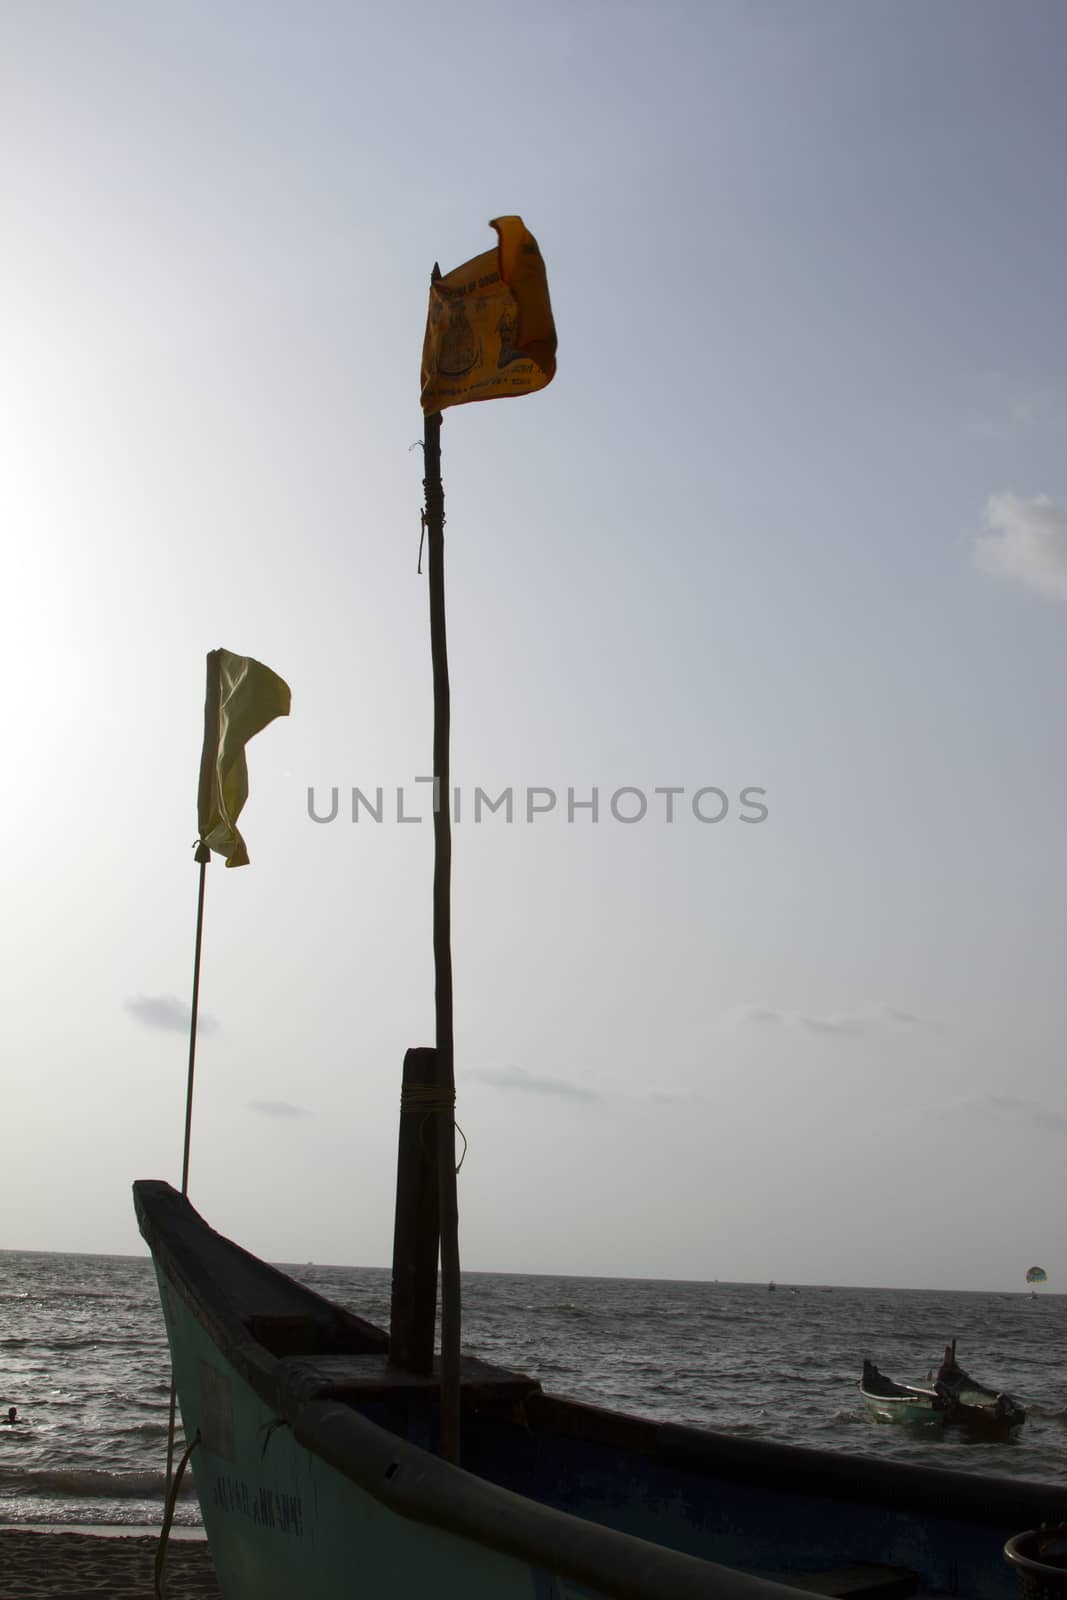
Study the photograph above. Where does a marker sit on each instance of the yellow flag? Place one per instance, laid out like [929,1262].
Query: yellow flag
[489,332]
[242,697]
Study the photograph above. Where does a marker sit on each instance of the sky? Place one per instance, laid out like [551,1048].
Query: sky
[791,517]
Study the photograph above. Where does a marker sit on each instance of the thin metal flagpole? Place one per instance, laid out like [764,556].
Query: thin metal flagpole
[208,761]
[202,857]
[442,946]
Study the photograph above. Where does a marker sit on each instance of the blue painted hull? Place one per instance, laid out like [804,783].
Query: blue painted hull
[316,1472]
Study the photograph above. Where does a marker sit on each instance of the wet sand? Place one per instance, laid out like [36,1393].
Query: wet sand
[80,1566]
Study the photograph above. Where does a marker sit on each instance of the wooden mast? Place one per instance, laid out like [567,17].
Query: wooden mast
[448,1210]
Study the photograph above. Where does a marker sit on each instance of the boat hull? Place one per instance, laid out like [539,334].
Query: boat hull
[281,1521]
[887,1401]
[991,1416]
[974,1405]
[316,1475]
[912,1411]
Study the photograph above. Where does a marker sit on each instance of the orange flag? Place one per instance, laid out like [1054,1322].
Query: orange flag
[489,332]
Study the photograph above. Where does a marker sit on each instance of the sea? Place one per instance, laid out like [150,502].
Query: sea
[83,1357]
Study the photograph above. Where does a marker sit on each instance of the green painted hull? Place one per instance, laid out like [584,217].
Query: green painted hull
[282,1524]
[913,1410]
[285,1525]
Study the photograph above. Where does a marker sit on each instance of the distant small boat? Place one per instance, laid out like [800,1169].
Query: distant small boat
[887,1401]
[974,1404]
[772,1284]
[955,1397]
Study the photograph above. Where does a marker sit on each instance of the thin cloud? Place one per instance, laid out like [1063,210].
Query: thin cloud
[673,1097]
[907,1019]
[842,1023]
[752,1016]
[1026,541]
[1009,416]
[847,1023]
[1031,1111]
[277,1108]
[167,1012]
[1007,1108]
[877,1018]
[530,1083]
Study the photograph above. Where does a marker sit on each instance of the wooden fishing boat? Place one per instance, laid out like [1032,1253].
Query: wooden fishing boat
[887,1401]
[334,1458]
[955,1397]
[974,1404]
[316,1463]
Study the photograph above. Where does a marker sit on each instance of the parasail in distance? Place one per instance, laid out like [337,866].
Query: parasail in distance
[1037,1275]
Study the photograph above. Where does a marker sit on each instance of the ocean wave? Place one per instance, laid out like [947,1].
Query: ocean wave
[63,1514]
[95,1339]
[51,1297]
[88,1485]
[79,1294]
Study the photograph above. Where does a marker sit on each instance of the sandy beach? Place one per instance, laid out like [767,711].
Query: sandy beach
[77,1566]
